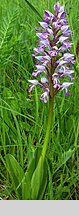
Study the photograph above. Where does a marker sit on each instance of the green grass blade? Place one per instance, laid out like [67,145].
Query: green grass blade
[33,8]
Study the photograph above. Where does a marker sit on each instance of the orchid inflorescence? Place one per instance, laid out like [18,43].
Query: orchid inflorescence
[54,60]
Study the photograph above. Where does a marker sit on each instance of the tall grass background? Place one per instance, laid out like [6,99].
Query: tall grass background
[23,117]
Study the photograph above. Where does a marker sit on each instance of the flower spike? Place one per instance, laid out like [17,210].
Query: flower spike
[54,60]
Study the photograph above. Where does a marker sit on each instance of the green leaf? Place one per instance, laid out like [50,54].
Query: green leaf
[32,185]
[16,174]
[26,181]
[43,182]
[39,180]
[33,8]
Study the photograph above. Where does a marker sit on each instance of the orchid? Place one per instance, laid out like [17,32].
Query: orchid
[53,73]
[53,56]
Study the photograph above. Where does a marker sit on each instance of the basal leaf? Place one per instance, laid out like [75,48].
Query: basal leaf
[16,174]
[39,180]
[26,181]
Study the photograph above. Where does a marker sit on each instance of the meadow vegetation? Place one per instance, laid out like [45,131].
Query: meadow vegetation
[23,117]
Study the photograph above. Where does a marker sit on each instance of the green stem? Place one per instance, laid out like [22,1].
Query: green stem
[51,99]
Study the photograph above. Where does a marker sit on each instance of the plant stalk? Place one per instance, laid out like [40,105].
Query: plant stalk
[51,100]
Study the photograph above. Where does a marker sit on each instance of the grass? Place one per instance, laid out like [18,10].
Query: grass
[23,118]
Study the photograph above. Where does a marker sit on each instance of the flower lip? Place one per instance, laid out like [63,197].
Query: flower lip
[44,96]
[67,93]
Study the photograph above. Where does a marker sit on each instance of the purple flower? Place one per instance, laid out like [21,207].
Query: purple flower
[44,96]
[57,6]
[33,84]
[53,56]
